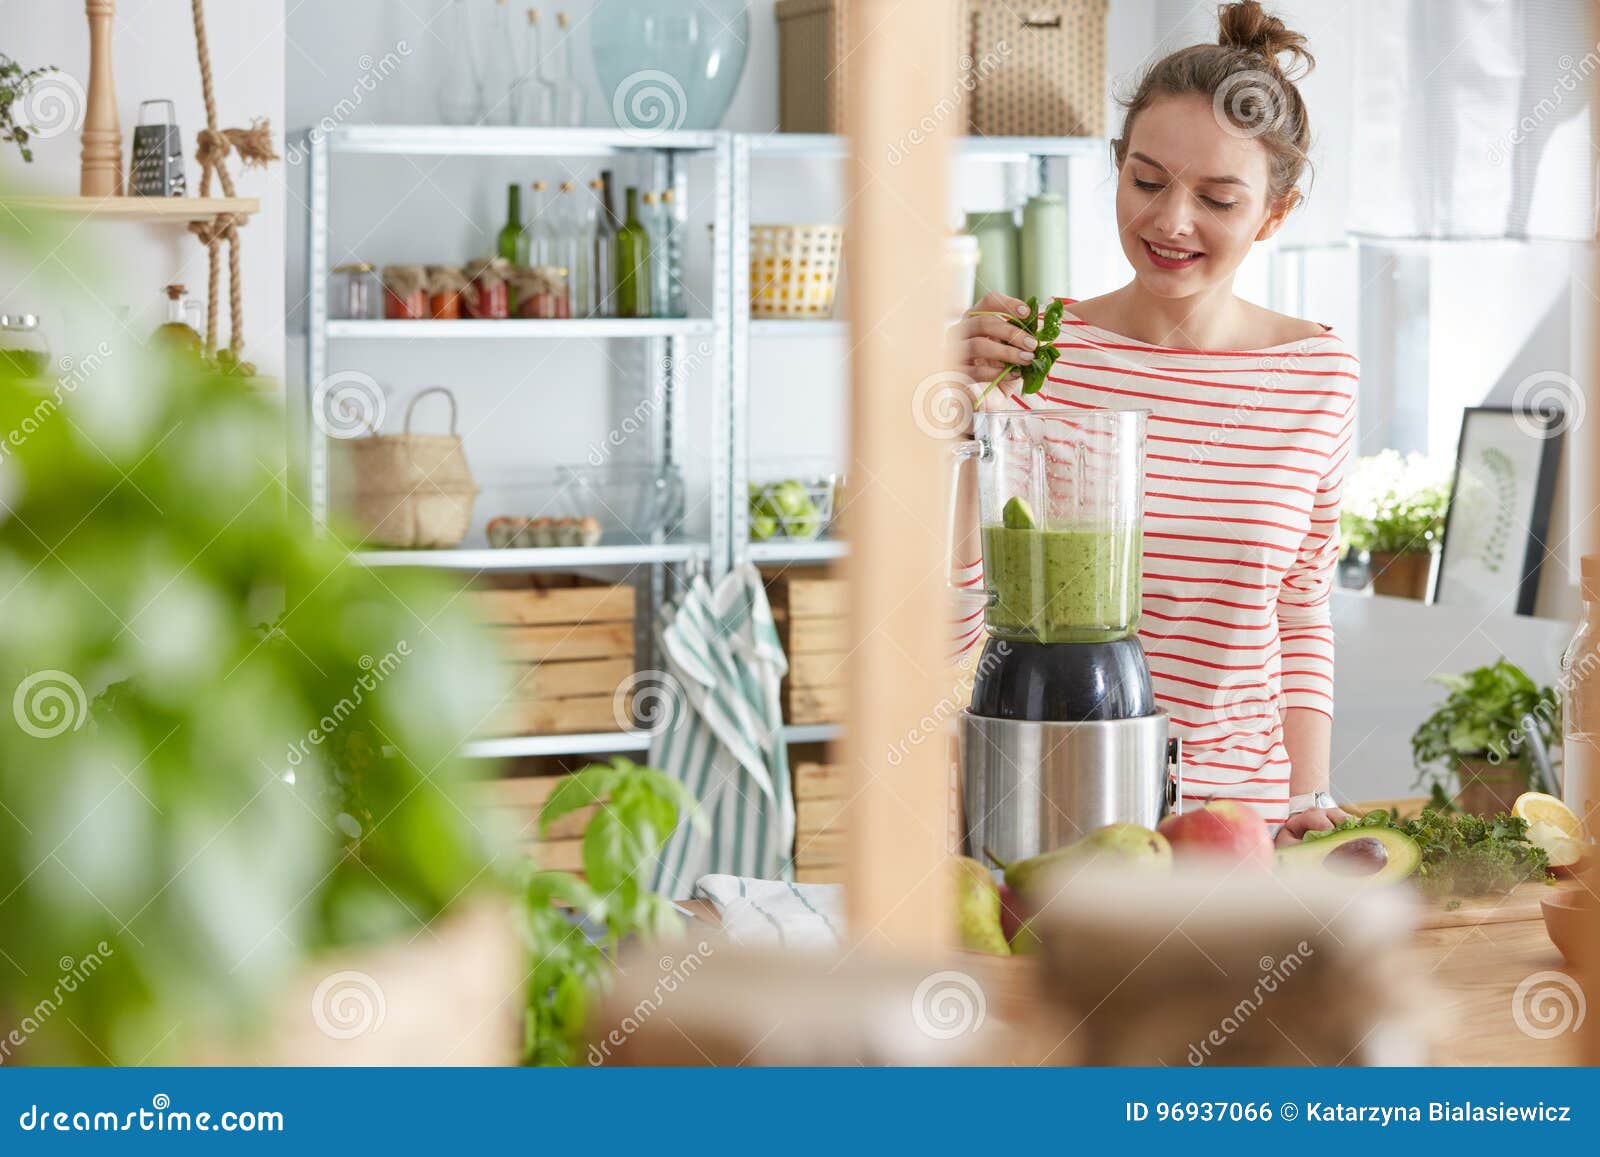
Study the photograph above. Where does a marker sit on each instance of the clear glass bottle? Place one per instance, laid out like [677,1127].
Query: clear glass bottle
[566,89]
[633,262]
[567,241]
[672,225]
[460,68]
[536,104]
[604,264]
[1580,685]
[535,249]
[650,218]
[499,80]
[181,330]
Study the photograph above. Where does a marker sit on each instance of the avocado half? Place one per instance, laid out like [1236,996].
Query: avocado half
[1375,855]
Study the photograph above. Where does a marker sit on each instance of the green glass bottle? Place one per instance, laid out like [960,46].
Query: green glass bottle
[506,243]
[510,237]
[633,263]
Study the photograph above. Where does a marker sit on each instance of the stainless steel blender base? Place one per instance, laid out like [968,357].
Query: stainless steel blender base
[1032,787]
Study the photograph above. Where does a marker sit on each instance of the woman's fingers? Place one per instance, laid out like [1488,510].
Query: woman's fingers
[986,349]
[998,329]
[1003,303]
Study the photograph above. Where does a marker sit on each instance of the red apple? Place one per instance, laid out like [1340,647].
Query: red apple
[1011,911]
[1223,830]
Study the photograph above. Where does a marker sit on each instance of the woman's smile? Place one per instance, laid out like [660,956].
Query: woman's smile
[1170,257]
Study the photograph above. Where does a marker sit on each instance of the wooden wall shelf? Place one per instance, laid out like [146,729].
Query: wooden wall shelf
[176,210]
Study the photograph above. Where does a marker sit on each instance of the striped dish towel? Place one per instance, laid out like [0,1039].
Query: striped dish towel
[723,738]
[775,911]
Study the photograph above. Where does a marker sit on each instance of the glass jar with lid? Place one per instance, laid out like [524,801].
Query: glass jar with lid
[1580,685]
[356,293]
[24,353]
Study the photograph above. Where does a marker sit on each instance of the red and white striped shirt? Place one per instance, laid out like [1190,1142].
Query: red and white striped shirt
[1246,456]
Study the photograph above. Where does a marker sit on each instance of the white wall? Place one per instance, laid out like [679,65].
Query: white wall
[153,57]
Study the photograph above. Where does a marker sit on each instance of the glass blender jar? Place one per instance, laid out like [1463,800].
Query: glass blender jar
[1061,503]
[1063,734]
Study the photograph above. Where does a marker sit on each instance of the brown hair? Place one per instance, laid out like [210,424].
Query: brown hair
[1252,93]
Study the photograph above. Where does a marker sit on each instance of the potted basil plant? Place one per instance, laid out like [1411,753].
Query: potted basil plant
[1479,735]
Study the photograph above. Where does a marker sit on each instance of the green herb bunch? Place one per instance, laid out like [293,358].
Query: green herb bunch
[1395,505]
[636,811]
[1044,328]
[1483,718]
[1462,855]
[15,84]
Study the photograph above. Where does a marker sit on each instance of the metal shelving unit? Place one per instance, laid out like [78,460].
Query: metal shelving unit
[669,347]
[728,332]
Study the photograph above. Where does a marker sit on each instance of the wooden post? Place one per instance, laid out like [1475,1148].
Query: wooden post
[102,138]
[897,104]
[1583,492]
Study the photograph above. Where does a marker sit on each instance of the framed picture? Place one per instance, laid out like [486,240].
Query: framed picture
[1499,515]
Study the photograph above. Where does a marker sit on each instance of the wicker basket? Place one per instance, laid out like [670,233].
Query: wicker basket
[408,490]
[1028,67]
[794,270]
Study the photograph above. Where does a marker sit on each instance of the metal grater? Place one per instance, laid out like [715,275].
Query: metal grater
[156,169]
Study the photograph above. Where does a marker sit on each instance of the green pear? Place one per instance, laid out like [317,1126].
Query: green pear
[978,908]
[1121,844]
[1025,941]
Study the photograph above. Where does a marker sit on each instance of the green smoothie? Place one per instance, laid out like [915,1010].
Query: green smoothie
[1062,586]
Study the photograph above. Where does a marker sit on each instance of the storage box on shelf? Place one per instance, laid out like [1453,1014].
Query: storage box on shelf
[1040,71]
[810,612]
[570,644]
[819,800]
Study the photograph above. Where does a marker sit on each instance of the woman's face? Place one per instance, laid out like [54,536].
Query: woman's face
[1191,198]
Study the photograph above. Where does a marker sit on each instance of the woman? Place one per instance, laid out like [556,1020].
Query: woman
[1251,418]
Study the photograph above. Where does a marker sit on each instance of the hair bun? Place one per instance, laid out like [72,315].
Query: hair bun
[1248,27]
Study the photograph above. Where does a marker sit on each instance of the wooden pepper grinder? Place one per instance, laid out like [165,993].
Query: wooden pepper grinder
[101,173]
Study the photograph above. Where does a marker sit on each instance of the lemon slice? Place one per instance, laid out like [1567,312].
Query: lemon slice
[1538,808]
[1563,850]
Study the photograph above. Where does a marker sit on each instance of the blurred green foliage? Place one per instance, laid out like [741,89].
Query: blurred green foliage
[224,746]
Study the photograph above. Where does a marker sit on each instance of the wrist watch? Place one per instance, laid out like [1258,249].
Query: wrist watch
[1311,799]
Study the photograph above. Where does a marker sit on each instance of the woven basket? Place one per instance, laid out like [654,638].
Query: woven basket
[411,491]
[1028,67]
[794,270]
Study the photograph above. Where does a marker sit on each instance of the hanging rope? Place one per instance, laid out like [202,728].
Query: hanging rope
[254,146]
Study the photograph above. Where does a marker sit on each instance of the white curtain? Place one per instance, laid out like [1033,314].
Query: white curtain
[1472,119]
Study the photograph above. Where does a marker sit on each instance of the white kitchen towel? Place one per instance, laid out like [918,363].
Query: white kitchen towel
[720,732]
[776,911]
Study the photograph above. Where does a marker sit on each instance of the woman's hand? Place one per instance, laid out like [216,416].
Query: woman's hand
[1315,819]
[987,345]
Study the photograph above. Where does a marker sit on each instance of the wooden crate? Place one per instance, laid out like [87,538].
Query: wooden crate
[810,608]
[570,646]
[515,804]
[820,794]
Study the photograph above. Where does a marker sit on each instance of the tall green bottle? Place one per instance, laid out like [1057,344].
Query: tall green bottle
[510,236]
[633,263]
